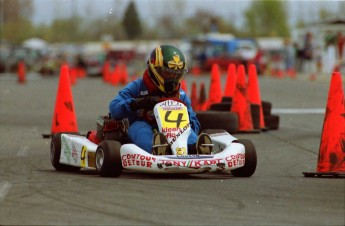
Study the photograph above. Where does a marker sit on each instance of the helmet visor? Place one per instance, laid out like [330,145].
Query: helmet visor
[171,74]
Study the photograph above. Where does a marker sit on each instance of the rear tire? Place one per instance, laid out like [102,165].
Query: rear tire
[250,160]
[218,120]
[266,107]
[223,106]
[214,131]
[55,152]
[108,159]
[226,99]
[272,122]
[255,111]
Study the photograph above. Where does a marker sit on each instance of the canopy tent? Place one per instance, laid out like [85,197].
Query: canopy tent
[35,43]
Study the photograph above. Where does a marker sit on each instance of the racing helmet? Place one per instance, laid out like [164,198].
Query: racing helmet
[166,67]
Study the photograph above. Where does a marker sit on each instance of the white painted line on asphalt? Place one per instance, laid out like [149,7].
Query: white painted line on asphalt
[4,189]
[298,110]
[23,151]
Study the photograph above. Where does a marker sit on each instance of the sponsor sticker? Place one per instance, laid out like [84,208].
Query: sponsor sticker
[195,164]
[235,160]
[137,160]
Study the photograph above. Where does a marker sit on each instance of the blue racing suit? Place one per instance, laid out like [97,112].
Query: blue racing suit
[140,130]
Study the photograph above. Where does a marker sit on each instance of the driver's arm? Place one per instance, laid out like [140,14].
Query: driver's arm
[119,107]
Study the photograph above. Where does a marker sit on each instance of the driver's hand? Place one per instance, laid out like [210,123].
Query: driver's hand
[146,103]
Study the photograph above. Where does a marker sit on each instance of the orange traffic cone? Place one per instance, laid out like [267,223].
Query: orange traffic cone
[115,75]
[194,97]
[73,73]
[81,72]
[106,71]
[291,73]
[230,84]
[254,92]
[202,103]
[64,118]
[184,86]
[196,70]
[280,73]
[21,72]
[331,160]
[123,74]
[215,91]
[240,103]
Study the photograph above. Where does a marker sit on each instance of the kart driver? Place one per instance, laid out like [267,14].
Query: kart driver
[166,67]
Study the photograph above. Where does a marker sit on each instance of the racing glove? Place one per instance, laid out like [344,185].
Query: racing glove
[146,103]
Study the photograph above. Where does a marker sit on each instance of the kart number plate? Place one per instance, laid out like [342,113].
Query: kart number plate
[173,119]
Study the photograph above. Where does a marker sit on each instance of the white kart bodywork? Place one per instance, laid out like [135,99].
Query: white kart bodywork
[226,155]
[232,157]
[79,151]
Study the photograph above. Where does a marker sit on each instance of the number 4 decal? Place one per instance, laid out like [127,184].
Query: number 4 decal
[178,120]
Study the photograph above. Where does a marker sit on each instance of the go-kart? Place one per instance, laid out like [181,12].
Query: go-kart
[71,152]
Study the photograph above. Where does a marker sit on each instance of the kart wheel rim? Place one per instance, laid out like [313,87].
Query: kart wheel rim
[99,158]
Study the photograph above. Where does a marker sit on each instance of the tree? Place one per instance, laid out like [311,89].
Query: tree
[267,18]
[131,22]
[15,20]
[325,14]
[168,19]
[200,22]
[61,30]
[15,10]
[204,21]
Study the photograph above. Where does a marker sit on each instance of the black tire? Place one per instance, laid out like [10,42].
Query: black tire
[272,122]
[108,159]
[116,135]
[55,152]
[226,99]
[224,106]
[308,174]
[213,131]
[218,120]
[250,160]
[255,111]
[266,107]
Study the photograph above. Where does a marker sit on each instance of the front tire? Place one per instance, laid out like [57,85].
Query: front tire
[250,160]
[55,153]
[108,159]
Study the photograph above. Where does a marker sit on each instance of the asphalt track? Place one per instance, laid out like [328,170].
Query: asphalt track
[33,193]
